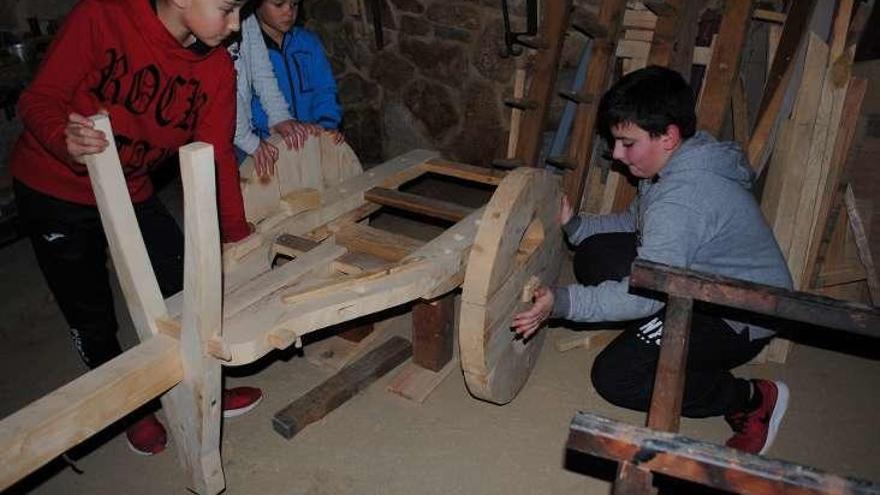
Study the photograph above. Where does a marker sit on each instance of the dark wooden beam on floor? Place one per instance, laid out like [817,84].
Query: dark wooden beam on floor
[342,386]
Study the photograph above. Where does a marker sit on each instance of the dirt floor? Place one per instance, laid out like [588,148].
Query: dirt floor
[380,443]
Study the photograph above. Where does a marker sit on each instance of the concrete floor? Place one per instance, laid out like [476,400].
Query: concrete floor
[383,444]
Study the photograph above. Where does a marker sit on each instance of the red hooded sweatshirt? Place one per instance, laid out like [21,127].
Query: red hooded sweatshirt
[117,55]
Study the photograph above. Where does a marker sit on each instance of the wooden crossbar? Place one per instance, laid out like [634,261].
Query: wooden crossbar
[418,204]
[757,298]
[703,462]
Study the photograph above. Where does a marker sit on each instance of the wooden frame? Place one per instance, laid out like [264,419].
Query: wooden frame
[642,451]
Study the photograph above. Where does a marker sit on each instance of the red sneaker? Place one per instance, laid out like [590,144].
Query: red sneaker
[146,436]
[239,400]
[754,431]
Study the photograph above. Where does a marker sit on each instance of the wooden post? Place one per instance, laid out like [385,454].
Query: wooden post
[199,414]
[432,332]
[665,411]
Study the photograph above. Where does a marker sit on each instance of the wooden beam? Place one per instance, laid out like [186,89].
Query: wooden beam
[463,171]
[769,115]
[350,380]
[435,208]
[674,36]
[721,75]
[757,298]
[127,249]
[703,462]
[53,424]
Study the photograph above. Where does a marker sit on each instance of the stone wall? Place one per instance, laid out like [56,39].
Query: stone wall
[437,83]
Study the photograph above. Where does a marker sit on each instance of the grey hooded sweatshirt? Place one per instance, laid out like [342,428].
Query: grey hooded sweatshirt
[697,213]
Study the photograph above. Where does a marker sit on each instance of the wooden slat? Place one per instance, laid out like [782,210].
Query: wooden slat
[703,462]
[418,204]
[793,34]
[757,298]
[51,425]
[721,74]
[482,175]
[380,243]
[342,386]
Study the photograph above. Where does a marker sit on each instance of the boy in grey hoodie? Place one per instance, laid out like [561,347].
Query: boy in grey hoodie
[694,209]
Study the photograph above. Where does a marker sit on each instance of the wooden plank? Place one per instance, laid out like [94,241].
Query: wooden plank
[674,36]
[278,278]
[785,178]
[56,422]
[861,238]
[357,376]
[825,218]
[794,31]
[721,75]
[665,411]
[703,462]
[380,243]
[841,276]
[416,383]
[766,15]
[197,403]
[435,208]
[757,298]
[432,332]
[127,249]
[482,175]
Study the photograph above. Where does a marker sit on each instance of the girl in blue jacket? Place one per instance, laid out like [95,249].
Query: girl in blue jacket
[301,69]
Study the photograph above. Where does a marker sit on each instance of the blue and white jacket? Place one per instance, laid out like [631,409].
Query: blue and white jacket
[304,78]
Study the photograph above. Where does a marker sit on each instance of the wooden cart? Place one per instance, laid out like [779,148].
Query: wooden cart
[235,307]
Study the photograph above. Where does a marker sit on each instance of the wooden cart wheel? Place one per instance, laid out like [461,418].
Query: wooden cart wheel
[518,245]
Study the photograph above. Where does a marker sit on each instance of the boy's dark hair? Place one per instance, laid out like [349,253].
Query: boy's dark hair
[652,98]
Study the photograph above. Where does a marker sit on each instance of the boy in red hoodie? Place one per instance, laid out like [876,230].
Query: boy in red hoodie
[155,67]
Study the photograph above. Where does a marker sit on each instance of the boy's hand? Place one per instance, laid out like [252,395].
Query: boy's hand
[565,211]
[264,159]
[82,138]
[527,323]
